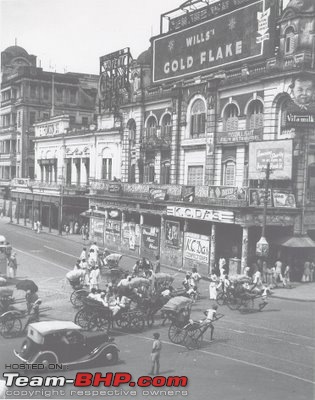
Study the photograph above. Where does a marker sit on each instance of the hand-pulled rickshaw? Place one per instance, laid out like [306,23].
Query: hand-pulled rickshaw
[112,271]
[177,310]
[75,279]
[243,294]
[6,299]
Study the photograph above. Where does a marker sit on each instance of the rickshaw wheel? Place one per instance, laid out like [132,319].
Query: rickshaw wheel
[193,339]
[98,323]
[82,318]
[122,320]
[10,326]
[137,323]
[221,299]
[176,334]
[234,303]
[76,297]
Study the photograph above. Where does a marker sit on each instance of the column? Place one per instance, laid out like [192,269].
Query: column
[18,210]
[25,201]
[11,211]
[185,229]
[74,172]
[141,223]
[244,249]
[123,220]
[33,209]
[162,236]
[212,247]
[83,178]
[49,218]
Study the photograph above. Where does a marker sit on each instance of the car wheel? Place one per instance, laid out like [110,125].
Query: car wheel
[111,356]
[46,359]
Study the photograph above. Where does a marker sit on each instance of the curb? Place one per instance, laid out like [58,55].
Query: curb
[206,279]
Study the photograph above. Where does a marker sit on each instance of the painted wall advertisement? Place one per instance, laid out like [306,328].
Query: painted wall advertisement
[97,228]
[172,233]
[278,153]
[131,235]
[197,247]
[112,232]
[150,241]
[240,35]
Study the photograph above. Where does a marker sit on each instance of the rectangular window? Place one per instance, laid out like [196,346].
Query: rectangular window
[33,91]
[85,121]
[32,117]
[46,93]
[198,125]
[72,119]
[19,118]
[73,96]
[59,94]
[107,169]
[195,175]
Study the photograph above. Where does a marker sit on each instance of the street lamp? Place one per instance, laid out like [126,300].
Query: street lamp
[262,246]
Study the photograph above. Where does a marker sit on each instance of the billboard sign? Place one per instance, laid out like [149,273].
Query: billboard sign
[281,199]
[172,233]
[278,153]
[237,36]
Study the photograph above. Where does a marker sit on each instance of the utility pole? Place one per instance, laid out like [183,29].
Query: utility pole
[262,246]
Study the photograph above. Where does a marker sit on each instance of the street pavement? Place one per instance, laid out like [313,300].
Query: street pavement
[298,291]
[254,356]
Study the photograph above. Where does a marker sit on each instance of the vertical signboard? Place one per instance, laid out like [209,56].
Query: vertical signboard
[196,252]
[112,233]
[150,241]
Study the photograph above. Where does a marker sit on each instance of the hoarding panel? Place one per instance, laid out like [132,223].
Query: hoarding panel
[277,152]
[239,35]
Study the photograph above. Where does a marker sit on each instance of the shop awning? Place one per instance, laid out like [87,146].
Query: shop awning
[298,241]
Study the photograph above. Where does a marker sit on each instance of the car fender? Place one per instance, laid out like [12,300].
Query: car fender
[35,358]
[97,351]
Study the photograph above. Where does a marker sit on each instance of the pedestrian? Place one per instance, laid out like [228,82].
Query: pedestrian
[307,271]
[95,248]
[12,264]
[94,277]
[213,286]
[38,226]
[265,272]
[31,298]
[195,276]
[155,354]
[278,272]
[83,254]
[157,265]
[222,266]
[92,256]
[286,276]
[312,271]
[211,315]
[86,232]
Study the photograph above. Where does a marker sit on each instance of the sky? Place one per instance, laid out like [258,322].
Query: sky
[71,35]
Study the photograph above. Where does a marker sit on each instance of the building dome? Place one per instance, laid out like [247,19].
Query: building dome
[145,57]
[16,51]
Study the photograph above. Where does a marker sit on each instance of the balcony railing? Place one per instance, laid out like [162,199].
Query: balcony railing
[157,140]
[36,186]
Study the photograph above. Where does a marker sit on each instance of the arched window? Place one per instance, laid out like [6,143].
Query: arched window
[255,117]
[198,119]
[231,118]
[229,173]
[151,127]
[166,126]
[289,41]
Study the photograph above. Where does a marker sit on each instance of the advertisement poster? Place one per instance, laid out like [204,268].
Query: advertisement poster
[196,247]
[257,198]
[97,230]
[150,241]
[172,233]
[278,153]
[131,235]
[286,200]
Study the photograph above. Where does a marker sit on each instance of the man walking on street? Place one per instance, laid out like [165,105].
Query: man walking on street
[155,354]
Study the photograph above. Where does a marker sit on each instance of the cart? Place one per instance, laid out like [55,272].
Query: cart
[177,310]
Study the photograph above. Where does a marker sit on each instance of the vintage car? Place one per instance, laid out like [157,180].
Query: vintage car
[64,342]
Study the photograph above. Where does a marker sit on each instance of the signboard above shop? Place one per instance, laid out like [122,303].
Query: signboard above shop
[278,153]
[240,136]
[241,35]
[201,214]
